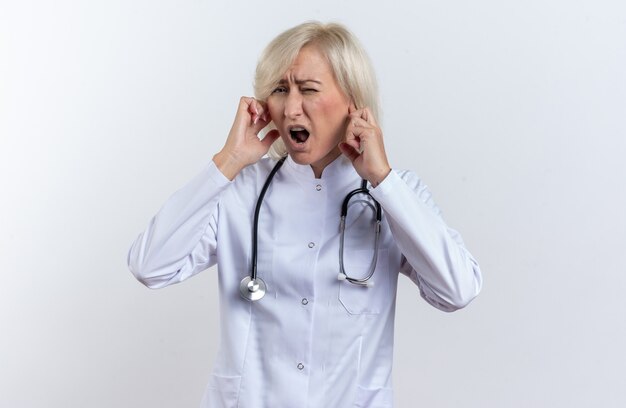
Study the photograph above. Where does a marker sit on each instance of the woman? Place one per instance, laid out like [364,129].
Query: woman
[312,340]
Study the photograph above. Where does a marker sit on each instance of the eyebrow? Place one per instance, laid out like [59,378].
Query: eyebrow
[300,81]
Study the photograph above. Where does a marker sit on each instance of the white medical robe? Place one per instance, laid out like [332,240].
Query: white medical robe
[312,341]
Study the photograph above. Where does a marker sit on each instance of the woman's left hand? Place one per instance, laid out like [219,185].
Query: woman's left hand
[364,146]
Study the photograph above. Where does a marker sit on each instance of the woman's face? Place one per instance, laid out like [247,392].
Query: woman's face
[310,110]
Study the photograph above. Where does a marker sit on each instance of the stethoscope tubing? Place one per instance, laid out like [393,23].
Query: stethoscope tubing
[343,275]
[253,288]
[257,210]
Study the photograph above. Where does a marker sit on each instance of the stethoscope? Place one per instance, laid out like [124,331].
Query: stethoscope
[253,288]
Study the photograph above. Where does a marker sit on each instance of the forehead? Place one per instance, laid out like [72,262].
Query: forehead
[310,63]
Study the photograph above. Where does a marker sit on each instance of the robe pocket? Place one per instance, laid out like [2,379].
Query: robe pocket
[222,391]
[357,299]
[374,398]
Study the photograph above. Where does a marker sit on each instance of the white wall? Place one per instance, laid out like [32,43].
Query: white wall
[513,112]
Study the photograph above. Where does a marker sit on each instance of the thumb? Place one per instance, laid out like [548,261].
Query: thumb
[259,123]
[270,137]
[348,151]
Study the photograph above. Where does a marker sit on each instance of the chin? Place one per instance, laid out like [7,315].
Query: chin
[302,158]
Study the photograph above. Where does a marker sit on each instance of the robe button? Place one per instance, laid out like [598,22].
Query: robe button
[311,244]
[300,366]
[305,301]
[318,187]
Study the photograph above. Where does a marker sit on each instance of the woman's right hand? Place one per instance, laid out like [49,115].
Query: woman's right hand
[243,146]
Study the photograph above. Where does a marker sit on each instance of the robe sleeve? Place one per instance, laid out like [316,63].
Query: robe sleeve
[180,240]
[433,255]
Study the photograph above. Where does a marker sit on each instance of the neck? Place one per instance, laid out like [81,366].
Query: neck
[319,167]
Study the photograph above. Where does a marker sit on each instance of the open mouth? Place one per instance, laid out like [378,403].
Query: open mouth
[299,134]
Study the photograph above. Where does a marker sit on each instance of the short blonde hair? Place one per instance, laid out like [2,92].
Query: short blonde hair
[347,58]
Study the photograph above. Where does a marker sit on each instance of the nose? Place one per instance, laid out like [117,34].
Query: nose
[293,105]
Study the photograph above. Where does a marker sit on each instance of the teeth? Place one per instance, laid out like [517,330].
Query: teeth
[297,129]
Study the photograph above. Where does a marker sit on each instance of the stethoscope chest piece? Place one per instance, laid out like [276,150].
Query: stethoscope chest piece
[252,289]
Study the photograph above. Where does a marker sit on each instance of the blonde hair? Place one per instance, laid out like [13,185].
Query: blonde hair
[347,58]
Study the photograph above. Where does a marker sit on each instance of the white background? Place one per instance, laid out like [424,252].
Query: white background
[513,112]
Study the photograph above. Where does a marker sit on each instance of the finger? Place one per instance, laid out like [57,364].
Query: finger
[369,117]
[265,112]
[253,109]
[261,122]
[257,109]
[270,138]
[366,115]
[363,129]
[260,107]
[349,151]
[247,102]
[245,111]
[353,140]
[261,104]
[355,113]
[358,122]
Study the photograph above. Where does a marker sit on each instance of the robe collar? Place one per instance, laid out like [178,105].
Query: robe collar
[340,167]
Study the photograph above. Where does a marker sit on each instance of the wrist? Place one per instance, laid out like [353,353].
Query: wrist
[228,163]
[378,178]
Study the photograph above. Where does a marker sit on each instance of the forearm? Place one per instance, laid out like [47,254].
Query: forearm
[178,241]
[445,271]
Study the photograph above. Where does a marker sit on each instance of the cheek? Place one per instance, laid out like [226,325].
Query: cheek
[275,111]
[334,107]
[327,106]
[335,114]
